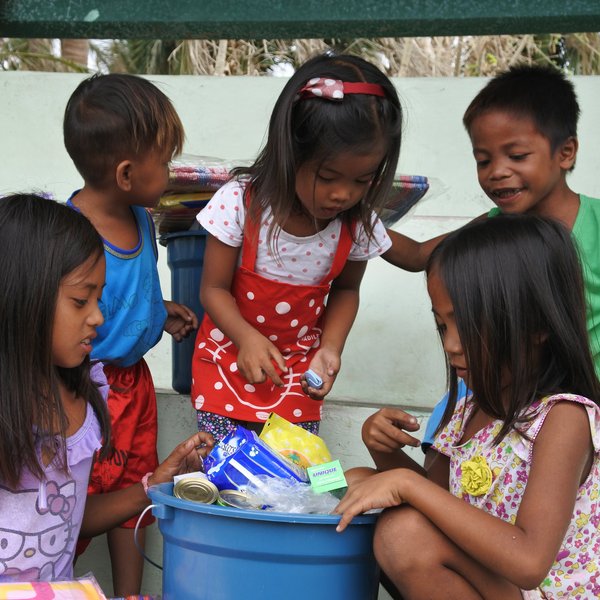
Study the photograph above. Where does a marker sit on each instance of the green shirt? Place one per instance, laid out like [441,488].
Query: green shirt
[586,235]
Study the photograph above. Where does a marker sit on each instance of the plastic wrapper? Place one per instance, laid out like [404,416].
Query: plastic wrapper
[208,179]
[295,443]
[84,588]
[407,190]
[290,496]
[199,173]
[241,456]
[189,200]
[178,211]
[193,179]
[192,182]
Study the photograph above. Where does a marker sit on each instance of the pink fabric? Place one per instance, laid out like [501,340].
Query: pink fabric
[533,595]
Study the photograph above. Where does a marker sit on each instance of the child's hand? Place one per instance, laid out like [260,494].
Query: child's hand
[378,491]
[180,320]
[185,458]
[384,431]
[256,355]
[326,364]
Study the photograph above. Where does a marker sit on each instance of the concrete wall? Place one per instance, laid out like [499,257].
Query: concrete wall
[392,354]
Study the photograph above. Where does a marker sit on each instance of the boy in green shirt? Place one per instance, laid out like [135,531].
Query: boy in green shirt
[523,129]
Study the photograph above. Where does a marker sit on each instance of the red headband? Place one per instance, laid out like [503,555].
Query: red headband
[334,89]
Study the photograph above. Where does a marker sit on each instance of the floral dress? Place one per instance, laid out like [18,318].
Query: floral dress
[494,478]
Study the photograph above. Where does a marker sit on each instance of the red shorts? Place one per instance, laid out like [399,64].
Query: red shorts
[133,416]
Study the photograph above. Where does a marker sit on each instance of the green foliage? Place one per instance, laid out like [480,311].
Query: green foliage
[18,54]
[480,56]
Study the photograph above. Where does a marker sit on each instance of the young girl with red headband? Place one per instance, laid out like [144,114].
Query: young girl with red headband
[288,242]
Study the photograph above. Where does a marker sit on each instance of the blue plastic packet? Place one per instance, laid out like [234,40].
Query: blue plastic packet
[226,447]
[240,456]
[313,379]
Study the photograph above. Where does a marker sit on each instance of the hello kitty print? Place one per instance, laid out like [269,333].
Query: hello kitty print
[31,554]
[40,521]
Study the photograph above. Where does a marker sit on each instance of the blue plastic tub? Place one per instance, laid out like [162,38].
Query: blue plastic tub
[185,257]
[212,552]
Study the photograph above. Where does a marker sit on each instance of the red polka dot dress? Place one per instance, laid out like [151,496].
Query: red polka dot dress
[284,299]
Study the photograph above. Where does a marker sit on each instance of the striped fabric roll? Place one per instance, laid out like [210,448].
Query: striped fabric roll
[197,178]
[194,179]
[407,190]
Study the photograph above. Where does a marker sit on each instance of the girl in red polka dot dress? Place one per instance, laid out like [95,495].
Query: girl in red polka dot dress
[288,243]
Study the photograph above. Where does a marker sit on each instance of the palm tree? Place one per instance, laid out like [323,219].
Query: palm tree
[399,57]
[32,54]
[75,51]
[460,56]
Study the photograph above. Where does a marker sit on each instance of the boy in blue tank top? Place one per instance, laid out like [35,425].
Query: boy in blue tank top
[121,132]
[523,129]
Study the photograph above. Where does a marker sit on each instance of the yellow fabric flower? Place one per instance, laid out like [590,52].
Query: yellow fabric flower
[476,478]
[582,520]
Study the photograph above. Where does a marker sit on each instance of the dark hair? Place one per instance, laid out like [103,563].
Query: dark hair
[41,242]
[317,129]
[516,287]
[542,94]
[112,117]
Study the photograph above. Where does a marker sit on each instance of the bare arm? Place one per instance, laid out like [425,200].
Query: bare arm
[384,435]
[342,306]
[408,254]
[524,552]
[256,353]
[105,511]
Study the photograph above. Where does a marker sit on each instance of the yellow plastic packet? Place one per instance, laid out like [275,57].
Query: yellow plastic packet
[294,442]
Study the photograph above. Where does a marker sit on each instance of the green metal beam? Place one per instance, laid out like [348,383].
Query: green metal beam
[286,19]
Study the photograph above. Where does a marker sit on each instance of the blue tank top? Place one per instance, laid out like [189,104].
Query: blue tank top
[132,303]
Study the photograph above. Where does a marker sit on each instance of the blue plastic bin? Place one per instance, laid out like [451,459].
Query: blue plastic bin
[213,552]
[185,257]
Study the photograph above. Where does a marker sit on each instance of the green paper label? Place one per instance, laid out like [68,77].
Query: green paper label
[326,477]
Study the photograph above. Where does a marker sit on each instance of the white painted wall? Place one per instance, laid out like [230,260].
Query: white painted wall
[392,354]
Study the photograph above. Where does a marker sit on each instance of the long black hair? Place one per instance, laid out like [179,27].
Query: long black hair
[41,242]
[516,286]
[316,129]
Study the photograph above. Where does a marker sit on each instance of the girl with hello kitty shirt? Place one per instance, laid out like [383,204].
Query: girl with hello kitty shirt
[509,508]
[288,242]
[53,417]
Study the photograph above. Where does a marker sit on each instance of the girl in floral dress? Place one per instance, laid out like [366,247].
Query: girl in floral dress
[510,506]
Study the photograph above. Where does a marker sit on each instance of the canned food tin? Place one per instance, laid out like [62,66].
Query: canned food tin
[236,499]
[196,489]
